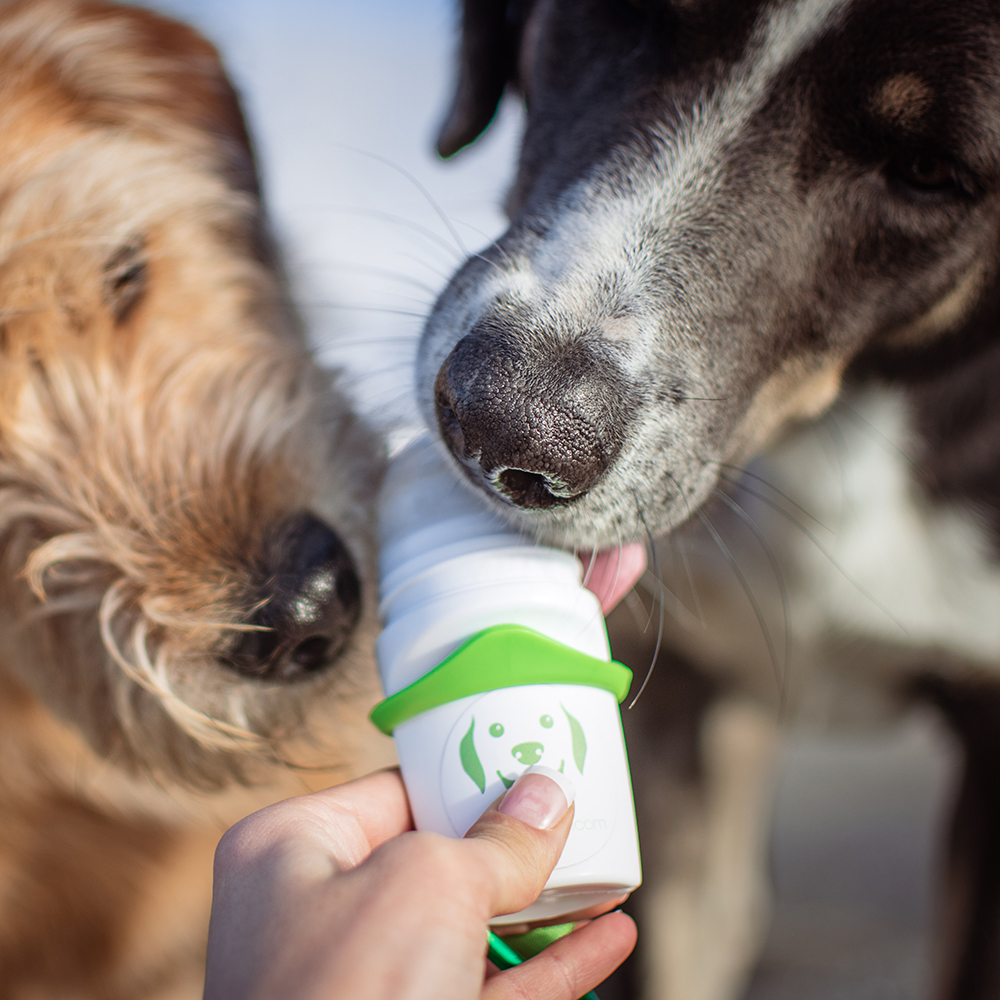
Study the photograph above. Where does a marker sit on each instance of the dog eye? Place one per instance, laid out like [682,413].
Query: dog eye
[496,729]
[923,171]
[546,721]
[125,279]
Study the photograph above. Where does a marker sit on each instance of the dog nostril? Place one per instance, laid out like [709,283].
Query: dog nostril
[311,654]
[530,490]
[306,607]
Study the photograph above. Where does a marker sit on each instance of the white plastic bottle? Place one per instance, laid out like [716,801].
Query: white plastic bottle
[494,658]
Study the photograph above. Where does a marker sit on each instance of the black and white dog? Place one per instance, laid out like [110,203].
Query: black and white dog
[754,228]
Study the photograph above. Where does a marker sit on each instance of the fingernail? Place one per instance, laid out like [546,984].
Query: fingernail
[539,797]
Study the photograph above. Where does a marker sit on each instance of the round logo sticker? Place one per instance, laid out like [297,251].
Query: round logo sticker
[503,733]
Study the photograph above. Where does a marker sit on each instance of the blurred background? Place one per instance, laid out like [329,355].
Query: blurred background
[343,99]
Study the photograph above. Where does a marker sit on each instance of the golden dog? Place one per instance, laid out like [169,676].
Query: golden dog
[187,610]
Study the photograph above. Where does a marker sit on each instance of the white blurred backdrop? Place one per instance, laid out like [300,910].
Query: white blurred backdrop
[343,99]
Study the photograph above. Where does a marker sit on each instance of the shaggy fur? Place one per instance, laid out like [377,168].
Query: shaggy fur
[166,442]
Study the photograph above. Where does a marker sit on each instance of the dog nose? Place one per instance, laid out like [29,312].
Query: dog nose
[528,753]
[543,424]
[306,608]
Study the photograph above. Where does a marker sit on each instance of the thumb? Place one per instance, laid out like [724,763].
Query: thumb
[519,839]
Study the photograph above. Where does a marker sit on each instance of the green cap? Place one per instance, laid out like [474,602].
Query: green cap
[501,656]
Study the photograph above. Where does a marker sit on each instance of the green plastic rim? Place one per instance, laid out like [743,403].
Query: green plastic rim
[501,656]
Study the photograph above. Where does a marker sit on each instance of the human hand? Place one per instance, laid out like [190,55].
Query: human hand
[334,895]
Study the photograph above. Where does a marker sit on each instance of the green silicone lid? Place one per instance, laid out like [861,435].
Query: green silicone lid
[501,656]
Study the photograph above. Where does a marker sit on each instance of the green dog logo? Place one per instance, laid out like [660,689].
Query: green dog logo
[524,752]
[503,732]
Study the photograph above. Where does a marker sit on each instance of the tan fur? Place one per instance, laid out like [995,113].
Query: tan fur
[946,314]
[153,432]
[801,389]
[902,98]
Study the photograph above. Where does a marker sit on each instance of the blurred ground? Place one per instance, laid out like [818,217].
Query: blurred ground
[858,830]
[343,98]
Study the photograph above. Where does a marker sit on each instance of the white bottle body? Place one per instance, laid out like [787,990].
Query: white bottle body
[450,568]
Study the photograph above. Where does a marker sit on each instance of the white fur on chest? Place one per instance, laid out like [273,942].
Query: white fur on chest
[911,573]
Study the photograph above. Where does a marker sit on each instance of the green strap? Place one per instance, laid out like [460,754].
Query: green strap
[501,656]
[532,942]
[506,953]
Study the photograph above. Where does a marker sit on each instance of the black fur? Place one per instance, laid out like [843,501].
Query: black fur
[733,203]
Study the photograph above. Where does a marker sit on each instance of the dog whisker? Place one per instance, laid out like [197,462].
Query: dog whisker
[677,542]
[632,599]
[741,472]
[347,307]
[443,275]
[400,221]
[382,272]
[207,730]
[499,247]
[438,210]
[405,394]
[748,591]
[779,578]
[865,425]
[370,374]
[825,551]
[653,585]
[659,631]
[402,339]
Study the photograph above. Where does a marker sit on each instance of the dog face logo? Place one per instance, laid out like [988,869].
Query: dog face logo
[502,733]
[525,753]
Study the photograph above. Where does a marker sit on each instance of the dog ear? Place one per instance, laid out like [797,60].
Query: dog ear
[134,70]
[185,80]
[487,61]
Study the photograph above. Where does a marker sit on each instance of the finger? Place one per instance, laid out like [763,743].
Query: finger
[344,823]
[378,802]
[516,843]
[612,573]
[569,967]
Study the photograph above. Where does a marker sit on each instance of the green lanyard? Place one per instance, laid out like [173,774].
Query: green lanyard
[503,956]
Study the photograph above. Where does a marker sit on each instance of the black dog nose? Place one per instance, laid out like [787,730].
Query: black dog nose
[306,606]
[542,423]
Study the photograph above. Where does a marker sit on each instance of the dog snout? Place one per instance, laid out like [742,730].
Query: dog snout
[541,425]
[306,608]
